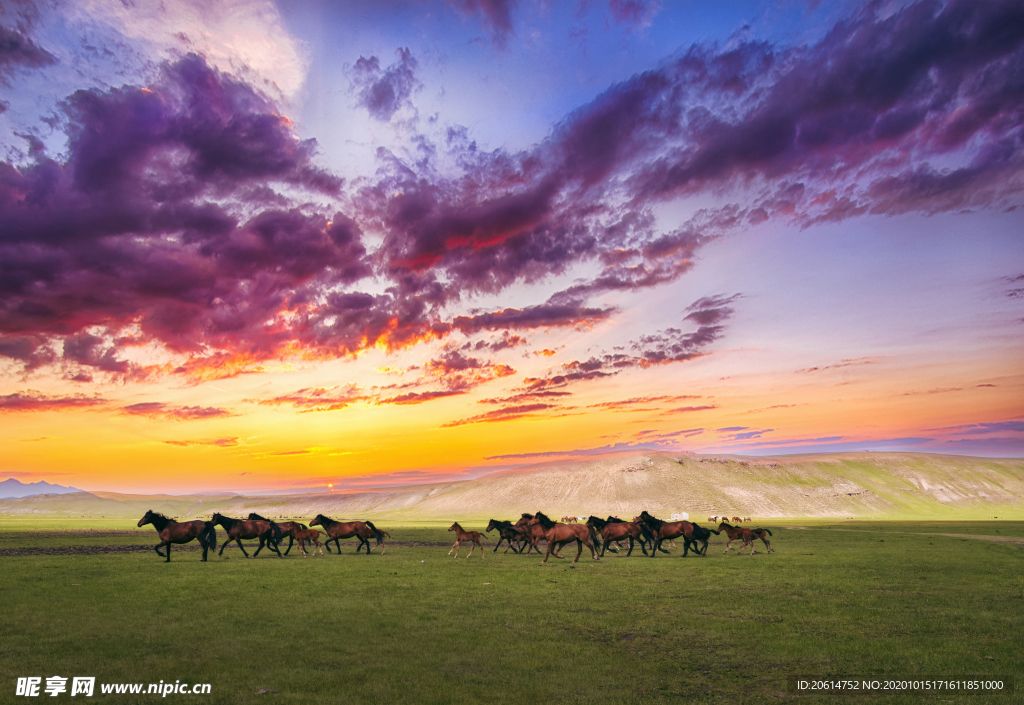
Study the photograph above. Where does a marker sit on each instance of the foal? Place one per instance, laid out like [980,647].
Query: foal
[303,535]
[463,535]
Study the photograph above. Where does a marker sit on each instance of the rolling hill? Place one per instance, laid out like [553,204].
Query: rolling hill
[841,485]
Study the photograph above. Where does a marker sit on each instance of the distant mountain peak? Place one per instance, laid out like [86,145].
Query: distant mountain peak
[14,488]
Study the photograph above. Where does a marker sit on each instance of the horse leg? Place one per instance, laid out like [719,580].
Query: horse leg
[273,545]
[260,547]
[579,550]
[453,548]
[604,547]
[239,542]
[630,552]
[157,549]
[168,552]
[291,542]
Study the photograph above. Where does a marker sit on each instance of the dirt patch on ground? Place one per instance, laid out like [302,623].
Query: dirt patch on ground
[1011,540]
[148,548]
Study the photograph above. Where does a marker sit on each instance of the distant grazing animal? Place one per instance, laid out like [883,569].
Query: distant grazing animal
[303,535]
[737,520]
[712,519]
[267,532]
[171,531]
[746,535]
[747,519]
[618,530]
[560,534]
[337,530]
[287,528]
[507,532]
[463,535]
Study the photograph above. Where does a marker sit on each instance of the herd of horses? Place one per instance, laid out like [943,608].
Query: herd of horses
[523,536]
[650,532]
[269,533]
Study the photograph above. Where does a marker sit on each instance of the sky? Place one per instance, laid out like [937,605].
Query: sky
[248,245]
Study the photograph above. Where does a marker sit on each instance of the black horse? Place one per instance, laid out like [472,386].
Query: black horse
[507,531]
[703,535]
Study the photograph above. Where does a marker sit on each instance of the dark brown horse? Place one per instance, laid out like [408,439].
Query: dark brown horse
[463,535]
[558,535]
[337,530]
[507,532]
[303,535]
[267,532]
[532,532]
[668,530]
[619,531]
[746,535]
[171,531]
[287,529]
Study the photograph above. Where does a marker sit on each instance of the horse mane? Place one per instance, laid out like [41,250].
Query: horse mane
[544,520]
[615,520]
[527,516]
[598,522]
[656,523]
[257,517]
[158,515]
[227,522]
[325,521]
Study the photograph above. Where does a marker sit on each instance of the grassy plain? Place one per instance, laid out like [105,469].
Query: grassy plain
[882,599]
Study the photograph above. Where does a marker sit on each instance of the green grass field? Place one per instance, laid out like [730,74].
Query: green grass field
[894,599]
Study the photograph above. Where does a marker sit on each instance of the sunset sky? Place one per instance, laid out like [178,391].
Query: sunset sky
[253,246]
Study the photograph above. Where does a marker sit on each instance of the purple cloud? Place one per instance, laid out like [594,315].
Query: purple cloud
[37,401]
[385,91]
[496,16]
[161,410]
[18,51]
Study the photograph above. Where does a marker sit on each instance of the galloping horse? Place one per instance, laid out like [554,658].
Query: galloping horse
[560,534]
[287,529]
[337,530]
[506,532]
[303,535]
[463,535]
[618,531]
[667,530]
[746,535]
[702,534]
[267,532]
[171,531]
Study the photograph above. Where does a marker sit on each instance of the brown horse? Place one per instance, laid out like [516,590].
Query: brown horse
[619,531]
[267,532]
[737,520]
[337,530]
[746,535]
[558,535]
[287,529]
[171,531]
[303,535]
[507,532]
[463,535]
[668,530]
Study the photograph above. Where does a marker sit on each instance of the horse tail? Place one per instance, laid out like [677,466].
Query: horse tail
[716,533]
[209,535]
[593,536]
[768,530]
[277,534]
[376,531]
